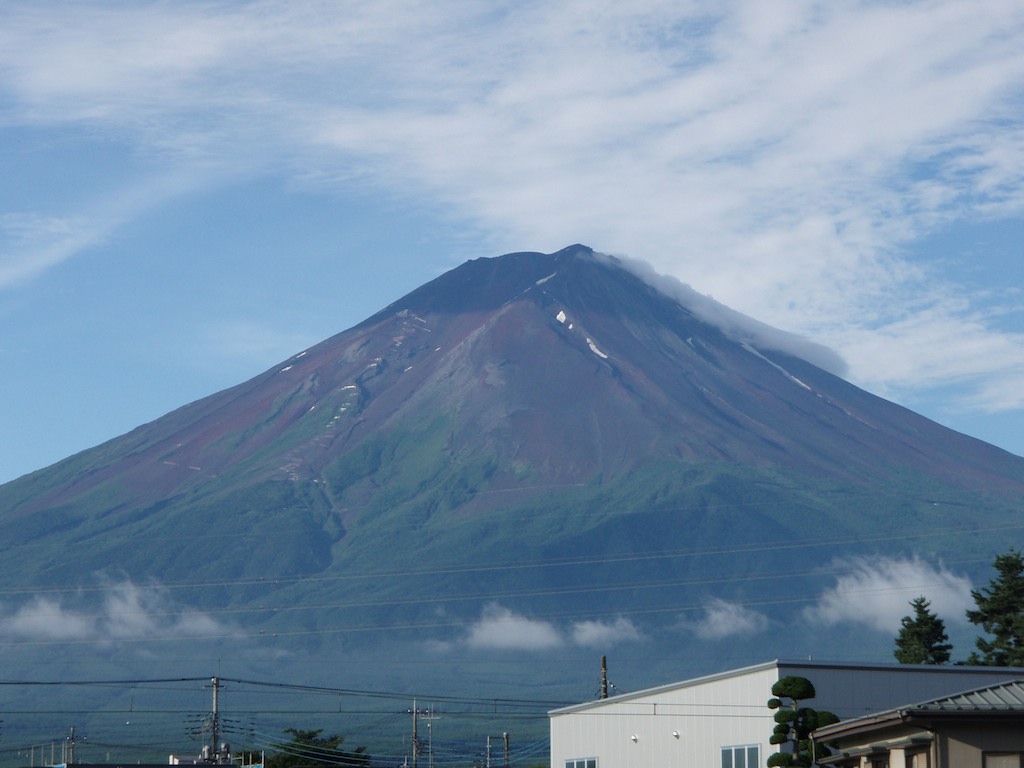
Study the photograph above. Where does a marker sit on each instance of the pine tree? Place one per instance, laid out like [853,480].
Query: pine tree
[1000,612]
[922,638]
[793,723]
[309,748]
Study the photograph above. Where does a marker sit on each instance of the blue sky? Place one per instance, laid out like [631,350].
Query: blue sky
[191,192]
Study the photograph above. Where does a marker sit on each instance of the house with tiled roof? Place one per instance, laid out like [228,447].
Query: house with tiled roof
[979,728]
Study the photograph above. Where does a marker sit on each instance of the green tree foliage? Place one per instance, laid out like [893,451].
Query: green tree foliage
[922,638]
[309,748]
[793,723]
[1000,612]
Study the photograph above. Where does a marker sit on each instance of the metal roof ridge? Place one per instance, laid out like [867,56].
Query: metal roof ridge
[978,699]
[667,687]
[1013,673]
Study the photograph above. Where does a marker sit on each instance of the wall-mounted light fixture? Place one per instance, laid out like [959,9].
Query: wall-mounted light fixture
[676,734]
[633,738]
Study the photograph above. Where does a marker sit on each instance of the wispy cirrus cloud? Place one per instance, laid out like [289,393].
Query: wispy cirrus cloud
[31,243]
[786,159]
[247,340]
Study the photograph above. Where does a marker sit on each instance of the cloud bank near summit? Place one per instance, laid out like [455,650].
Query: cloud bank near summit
[733,324]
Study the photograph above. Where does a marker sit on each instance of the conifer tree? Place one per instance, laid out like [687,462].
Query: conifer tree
[1000,612]
[922,638]
[309,748]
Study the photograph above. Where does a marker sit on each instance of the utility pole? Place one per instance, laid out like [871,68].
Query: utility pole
[505,749]
[215,721]
[416,751]
[430,738]
[415,737]
[69,748]
[604,677]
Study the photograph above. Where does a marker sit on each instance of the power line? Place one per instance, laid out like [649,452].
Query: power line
[292,687]
[524,565]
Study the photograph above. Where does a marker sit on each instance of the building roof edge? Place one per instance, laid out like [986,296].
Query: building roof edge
[666,687]
[784,665]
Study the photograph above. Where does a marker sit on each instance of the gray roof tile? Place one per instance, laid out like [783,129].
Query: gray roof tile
[1008,696]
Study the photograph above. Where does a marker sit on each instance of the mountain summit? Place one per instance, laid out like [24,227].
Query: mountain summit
[525,408]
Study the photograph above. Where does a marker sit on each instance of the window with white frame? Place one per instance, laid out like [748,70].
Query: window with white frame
[747,756]
[585,762]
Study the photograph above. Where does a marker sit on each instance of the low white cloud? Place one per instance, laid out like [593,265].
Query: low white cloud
[877,592]
[603,634]
[501,629]
[721,619]
[45,619]
[126,612]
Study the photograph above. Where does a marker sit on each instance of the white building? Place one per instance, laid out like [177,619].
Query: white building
[723,721]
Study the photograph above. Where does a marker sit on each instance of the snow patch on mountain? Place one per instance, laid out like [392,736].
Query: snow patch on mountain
[595,350]
[776,366]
